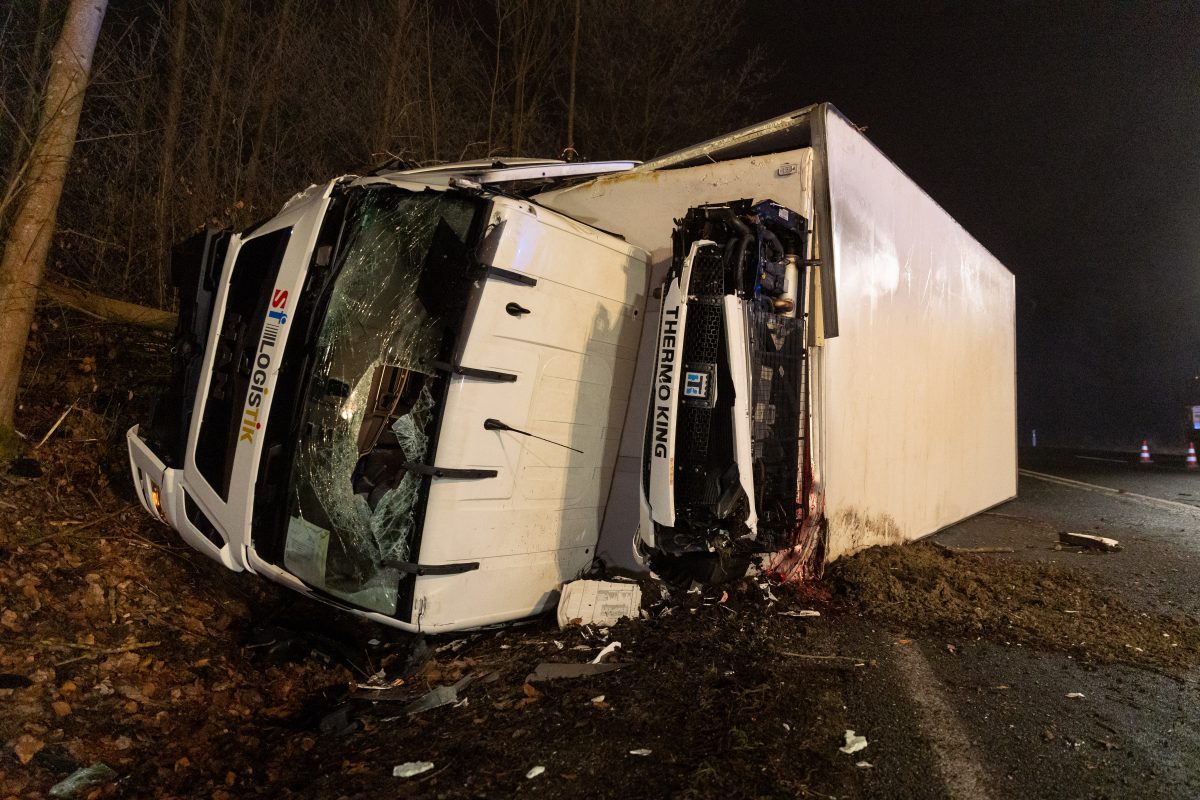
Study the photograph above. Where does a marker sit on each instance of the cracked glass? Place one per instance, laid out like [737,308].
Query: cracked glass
[370,405]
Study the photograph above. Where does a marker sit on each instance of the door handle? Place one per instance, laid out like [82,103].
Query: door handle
[516,310]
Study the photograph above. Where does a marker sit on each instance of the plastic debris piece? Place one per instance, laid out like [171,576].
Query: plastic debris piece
[864,765]
[548,672]
[535,771]
[436,698]
[787,727]
[82,779]
[1075,695]
[1089,540]
[598,602]
[609,648]
[598,699]
[410,768]
[339,722]
[641,751]
[806,612]
[853,743]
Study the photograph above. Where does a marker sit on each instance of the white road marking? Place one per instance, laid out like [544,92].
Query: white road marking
[957,759]
[1146,500]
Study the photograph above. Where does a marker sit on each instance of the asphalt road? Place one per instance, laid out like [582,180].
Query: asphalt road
[990,719]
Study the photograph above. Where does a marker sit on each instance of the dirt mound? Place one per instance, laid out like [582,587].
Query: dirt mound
[1040,604]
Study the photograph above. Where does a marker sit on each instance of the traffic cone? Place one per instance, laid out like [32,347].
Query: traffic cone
[1145,457]
[1191,459]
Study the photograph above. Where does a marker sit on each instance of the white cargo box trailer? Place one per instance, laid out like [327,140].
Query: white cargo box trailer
[909,391]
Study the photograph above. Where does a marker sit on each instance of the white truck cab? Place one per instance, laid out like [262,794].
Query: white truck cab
[402,395]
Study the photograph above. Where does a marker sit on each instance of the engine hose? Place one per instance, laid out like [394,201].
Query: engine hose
[773,242]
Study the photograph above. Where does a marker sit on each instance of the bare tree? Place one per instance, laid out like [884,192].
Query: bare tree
[28,241]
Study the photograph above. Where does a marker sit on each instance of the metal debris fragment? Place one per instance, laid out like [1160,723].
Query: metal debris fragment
[1089,540]
[547,671]
[436,698]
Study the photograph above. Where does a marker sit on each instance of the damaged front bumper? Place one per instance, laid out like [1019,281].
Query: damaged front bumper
[160,490]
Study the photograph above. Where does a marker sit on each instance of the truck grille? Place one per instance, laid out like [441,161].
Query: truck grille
[777,370]
[697,482]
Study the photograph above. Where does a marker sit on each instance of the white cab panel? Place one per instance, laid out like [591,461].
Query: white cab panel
[536,523]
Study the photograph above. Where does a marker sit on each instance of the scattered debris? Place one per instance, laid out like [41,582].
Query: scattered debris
[339,722]
[534,772]
[641,751]
[1089,540]
[919,588]
[1075,695]
[81,780]
[854,743]
[411,768]
[806,612]
[864,765]
[857,661]
[598,602]
[441,696]
[608,649]
[978,550]
[597,700]
[904,641]
[547,671]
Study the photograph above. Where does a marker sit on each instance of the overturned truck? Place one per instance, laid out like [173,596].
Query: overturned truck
[432,396]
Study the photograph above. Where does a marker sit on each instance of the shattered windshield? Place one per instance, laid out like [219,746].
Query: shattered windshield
[370,405]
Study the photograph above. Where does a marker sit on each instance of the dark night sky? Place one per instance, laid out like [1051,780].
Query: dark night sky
[1065,138]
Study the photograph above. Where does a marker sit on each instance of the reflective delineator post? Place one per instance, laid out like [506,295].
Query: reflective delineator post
[1145,457]
[1191,459]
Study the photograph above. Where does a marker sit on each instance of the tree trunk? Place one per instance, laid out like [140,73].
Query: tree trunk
[166,184]
[571,154]
[109,308]
[25,130]
[28,241]
[266,99]
[208,136]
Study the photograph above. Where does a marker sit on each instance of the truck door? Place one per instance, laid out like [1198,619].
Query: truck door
[538,396]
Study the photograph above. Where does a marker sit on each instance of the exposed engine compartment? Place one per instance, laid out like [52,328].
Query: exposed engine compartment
[732,340]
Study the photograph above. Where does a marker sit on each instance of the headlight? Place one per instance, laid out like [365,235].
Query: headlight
[156,500]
